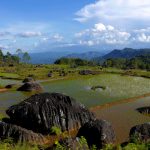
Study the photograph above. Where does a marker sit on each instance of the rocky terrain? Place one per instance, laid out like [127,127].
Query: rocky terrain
[31,121]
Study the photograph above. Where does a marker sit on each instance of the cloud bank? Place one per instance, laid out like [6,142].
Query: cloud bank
[115,10]
[102,34]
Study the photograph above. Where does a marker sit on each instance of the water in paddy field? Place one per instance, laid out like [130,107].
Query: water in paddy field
[4,82]
[124,116]
[117,88]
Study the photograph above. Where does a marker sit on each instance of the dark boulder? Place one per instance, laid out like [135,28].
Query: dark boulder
[19,134]
[30,86]
[9,86]
[41,112]
[89,72]
[85,72]
[50,75]
[28,79]
[140,132]
[144,110]
[98,133]
[98,87]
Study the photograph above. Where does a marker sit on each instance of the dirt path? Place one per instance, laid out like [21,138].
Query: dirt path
[119,102]
[3,90]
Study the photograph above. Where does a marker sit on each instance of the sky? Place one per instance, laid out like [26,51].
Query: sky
[45,25]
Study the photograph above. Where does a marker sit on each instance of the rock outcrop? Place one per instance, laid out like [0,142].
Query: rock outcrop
[98,133]
[20,134]
[144,110]
[9,86]
[98,87]
[41,112]
[28,79]
[141,132]
[50,75]
[30,86]
[88,72]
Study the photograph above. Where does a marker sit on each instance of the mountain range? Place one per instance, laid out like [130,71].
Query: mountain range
[50,57]
[126,53]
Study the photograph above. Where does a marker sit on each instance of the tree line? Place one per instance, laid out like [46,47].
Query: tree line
[13,59]
[74,62]
[138,62]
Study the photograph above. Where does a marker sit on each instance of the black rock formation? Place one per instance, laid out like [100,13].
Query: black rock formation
[50,74]
[98,87]
[30,86]
[40,112]
[19,134]
[28,79]
[88,72]
[9,86]
[98,133]
[140,132]
[144,110]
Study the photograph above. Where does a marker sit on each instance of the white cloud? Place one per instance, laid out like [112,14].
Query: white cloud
[115,9]
[57,37]
[29,34]
[143,38]
[142,35]
[53,38]
[100,27]
[102,34]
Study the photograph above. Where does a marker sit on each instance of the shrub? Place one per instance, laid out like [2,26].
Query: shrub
[55,130]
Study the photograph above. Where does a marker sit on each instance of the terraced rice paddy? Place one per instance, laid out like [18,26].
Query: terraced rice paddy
[122,114]
[117,88]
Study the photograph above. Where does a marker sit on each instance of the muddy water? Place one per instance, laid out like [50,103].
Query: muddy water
[124,116]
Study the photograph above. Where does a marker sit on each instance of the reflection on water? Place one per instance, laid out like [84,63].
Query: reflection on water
[118,87]
[124,116]
[4,82]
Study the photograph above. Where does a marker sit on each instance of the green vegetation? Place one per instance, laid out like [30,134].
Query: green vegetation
[9,145]
[26,58]
[2,116]
[81,144]
[8,59]
[138,62]
[13,60]
[74,62]
[55,130]
[1,86]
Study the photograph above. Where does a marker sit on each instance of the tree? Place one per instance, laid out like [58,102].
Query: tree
[1,56]
[26,57]
[19,53]
[8,58]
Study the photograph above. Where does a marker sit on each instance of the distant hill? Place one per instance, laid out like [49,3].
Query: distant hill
[56,53]
[46,57]
[87,55]
[126,53]
[52,56]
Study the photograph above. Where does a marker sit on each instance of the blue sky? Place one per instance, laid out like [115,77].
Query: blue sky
[43,25]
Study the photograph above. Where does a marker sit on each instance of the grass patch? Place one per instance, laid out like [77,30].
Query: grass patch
[2,116]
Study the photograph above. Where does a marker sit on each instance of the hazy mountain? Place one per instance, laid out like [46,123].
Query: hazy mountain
[50,57]
[71,51]
[87,55]
[46,57]
[126,53]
